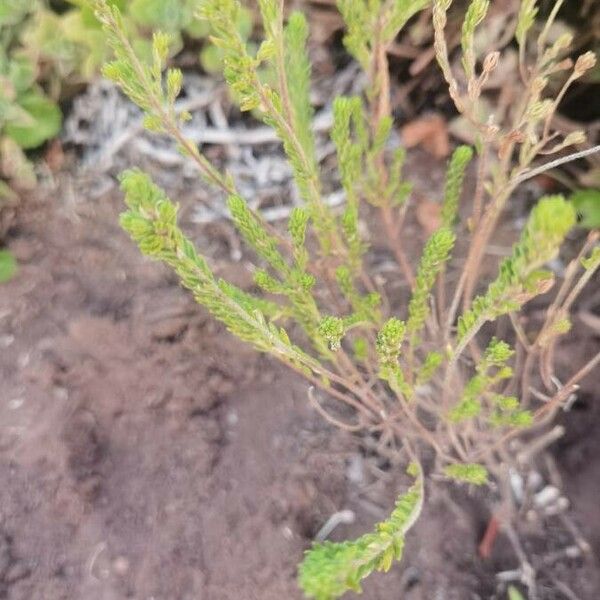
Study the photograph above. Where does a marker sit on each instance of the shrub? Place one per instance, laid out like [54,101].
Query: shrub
[425,375]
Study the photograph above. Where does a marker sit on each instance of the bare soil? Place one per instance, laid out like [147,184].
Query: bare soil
[146,454]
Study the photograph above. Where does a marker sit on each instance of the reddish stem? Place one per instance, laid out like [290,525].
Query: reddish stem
[489,537]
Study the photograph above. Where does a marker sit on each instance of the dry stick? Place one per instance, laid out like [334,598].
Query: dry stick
[547,354]
[373,402]
[293,359]
[521,335]
[569,387]
[336,422]
[392,231]
[345,398]
[556,163]
[426,433]
[527,571]
[561,303]
[479,244]
[540,443]
[578,288]
[556,102]
[480,187]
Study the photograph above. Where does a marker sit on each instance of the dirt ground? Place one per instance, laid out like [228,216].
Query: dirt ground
[146,454]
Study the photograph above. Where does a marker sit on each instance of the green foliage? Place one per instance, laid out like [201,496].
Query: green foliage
[8,266]
[23,105]
[436,253]
[455,175]
[467,473]
[388,345]
[369,21]
[141,81]
[519,279]
[12,13]
[331,569]
[38,119]
[496,354]
[587,204]
[592,262]
[514,593]
[333,330]
[527,13]
[297,226]
[349,134]
[211,57]
[254,233]
[285,107]
[475,15]
[389,341]
[45,53]
[508,413]
[239,68]
[358,19]
[490,370]
[297,67]
[151,222]
[432,362]
[28,117]
[71,47]
[172,16]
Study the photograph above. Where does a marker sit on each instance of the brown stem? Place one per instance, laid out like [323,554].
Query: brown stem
[392,231]
[480,187]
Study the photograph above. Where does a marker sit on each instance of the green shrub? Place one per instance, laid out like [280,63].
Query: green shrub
[28,117]
[396,368]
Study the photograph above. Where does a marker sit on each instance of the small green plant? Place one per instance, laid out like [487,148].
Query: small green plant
[423,373]
[46,54]
[72,46]
[8,266]
[28,117]
[514,594]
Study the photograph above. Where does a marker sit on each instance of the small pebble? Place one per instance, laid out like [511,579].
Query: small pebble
[547,496]
[232,418]
[121,565]
[6,340]
[534,481]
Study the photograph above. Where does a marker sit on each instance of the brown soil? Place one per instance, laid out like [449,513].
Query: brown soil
[146,454]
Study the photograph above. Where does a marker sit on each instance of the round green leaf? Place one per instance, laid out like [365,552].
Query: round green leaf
[244,23]
[14,11]
[587,204]
[22,72]
[170,15]
[44,118]
[211,59]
